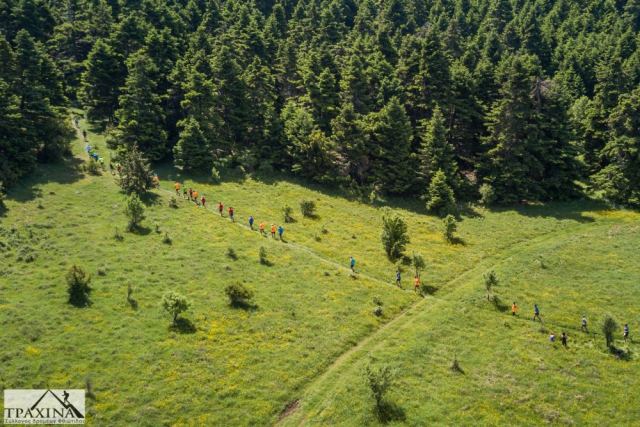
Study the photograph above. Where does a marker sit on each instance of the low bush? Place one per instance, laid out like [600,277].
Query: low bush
[238,294]
[287,213]
[175,304]
[78,287]
[308,208]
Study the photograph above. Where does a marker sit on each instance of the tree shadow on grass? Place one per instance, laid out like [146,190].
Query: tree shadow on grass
[428,289]
[140,230]
[133,303]
[390,411]
[149,198]
[498,304]
[572,210]
[458,241]
[568,210]
[244,305]
[66,171]
[183,326]
[620,353]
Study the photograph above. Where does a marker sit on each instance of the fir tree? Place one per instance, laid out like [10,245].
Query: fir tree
[436,153]
[391,135]
[440,198]
[101,82]
[619,180]
[140,117]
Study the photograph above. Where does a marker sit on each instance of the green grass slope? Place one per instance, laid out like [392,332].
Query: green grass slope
[313,327]
[512,373]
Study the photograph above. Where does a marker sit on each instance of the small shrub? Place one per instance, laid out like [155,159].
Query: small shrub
[380,380]
[167,239]
[264,260]
[157,227]
[487,194]
[40,205]
[102,271]
[324,229]
[89,389]
[450,227]
[134,210]
[490,281]
[78,287]
[26,254]
[231,253]
[238,294]
[418,263]
[117,235]
[93,168]
[173,203]
[377,311]
[287,213]
[609,327]
[394,235]
[455,365]
[175,304]
[377,301]
[135,174]
[317,238]
[2,206]
[308,208]
[215,175]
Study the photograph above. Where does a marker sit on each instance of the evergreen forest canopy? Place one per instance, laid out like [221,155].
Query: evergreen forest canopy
[448,99]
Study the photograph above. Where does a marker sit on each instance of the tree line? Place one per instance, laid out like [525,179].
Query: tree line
[497,100]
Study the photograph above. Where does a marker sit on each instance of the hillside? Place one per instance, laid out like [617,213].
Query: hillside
[313,328]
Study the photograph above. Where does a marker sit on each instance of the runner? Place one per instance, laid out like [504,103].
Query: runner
[584,324]
[262,228]
[195,197]
[514,308]
[398,277]
[536,313]
[280,232]
[352,263]
[190,194]
[564,339]
[626,332]
[231,213]
[416,283]
[177,187]
[220,208]
[204,201]
[273,231]
[251,222]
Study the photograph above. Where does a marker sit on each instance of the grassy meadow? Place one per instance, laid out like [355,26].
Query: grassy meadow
[313,329]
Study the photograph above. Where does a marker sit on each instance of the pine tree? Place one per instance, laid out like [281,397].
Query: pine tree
[140,117]
[312,154]
[101,82]
[391,135]
[436,153]
[192,151]
[440,198]
[511,167]
[619,179]
[352,143]
[135,172]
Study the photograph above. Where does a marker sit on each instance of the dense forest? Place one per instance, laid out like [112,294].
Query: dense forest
[498,100]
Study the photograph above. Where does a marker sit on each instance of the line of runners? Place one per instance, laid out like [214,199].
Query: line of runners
[200,200]
[194,196]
